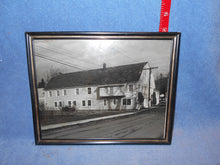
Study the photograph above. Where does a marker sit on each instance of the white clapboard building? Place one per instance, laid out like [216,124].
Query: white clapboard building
[125,87]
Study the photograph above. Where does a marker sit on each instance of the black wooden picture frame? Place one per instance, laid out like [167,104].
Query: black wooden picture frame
[103,87]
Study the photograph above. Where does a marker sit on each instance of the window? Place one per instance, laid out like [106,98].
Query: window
[126,102]
[69,103]
[55,104]
[111,90]
[58,93]
[50,93]
[114,101]
[74,103]
[64,92]
[89,102]
[77,91]
[83,103]
[60,104]
[89,91]
[104,102]
[130,87]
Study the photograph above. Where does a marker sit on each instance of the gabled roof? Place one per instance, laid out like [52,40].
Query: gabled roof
[105,76]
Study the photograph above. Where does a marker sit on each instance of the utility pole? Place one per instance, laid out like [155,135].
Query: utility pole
[150,70]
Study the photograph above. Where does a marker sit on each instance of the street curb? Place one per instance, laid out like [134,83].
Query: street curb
[54,126]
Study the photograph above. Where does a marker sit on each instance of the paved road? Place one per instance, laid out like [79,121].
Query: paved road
[147,124]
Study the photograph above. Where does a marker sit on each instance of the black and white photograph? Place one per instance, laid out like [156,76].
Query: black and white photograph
[103,87]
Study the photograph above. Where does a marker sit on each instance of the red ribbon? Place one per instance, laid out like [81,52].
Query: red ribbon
[164,15]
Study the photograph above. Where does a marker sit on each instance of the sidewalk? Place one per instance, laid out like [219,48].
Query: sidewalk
[54,126]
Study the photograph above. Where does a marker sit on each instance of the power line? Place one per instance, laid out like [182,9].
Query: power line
[56,59]
[123,51]
[68,53]
[64,52]
[58,62]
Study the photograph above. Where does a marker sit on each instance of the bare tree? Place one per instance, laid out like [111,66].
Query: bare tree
[161,83]
[41,84]
[53,72]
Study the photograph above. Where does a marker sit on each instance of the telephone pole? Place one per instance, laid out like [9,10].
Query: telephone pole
[150,71]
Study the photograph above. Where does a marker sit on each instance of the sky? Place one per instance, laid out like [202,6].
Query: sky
[69,55]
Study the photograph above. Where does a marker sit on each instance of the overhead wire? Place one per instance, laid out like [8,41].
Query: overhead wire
[56,60]
[66,53]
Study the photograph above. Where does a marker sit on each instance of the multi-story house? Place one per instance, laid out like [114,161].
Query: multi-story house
[126,87]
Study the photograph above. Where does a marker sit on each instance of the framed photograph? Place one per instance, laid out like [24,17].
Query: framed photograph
[103,87]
